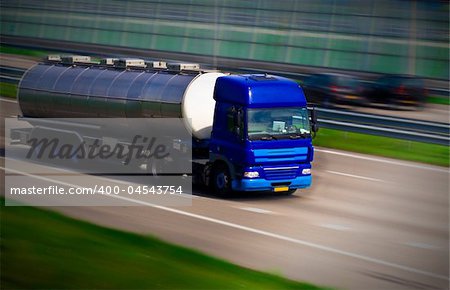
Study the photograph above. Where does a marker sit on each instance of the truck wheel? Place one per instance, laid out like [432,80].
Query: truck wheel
[155,168]
[221,180]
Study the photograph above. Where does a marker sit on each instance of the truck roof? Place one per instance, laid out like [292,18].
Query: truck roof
[259,90]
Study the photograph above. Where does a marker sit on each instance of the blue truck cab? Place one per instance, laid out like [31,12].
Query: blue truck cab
[261,136]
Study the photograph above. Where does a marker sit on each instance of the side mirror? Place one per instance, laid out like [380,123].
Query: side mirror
[313,115]
[314,126]
[239,123]
[239,116]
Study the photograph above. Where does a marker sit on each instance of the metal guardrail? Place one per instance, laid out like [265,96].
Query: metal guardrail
[443,93]
[407,129]
[10,74]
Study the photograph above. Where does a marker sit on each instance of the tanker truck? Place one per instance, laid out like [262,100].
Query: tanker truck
[250,132]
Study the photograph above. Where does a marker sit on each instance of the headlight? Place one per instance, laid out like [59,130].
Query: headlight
[306,171]
[251,174]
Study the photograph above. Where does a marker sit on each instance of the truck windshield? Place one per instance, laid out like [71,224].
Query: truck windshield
[278,123]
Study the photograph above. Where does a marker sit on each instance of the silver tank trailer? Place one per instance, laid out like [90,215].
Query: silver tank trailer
[57,89]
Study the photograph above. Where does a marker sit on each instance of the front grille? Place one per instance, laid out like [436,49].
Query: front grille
[297,154]
[281,172]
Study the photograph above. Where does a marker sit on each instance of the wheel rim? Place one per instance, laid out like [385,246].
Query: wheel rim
[154,169]
[221,180]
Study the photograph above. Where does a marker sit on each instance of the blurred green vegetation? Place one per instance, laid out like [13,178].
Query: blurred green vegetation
[24,51]
[337,36]
[8,90]
[438,100]
[46,250]
[383,146]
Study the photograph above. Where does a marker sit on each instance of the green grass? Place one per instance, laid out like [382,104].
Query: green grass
[438,100]
[8,90]
[24,51]
[383,146]
[46,250]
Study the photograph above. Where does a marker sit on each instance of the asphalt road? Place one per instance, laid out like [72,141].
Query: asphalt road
[18,61]
[366,223]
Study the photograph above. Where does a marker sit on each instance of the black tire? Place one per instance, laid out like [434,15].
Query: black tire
[154,168]
[220,181]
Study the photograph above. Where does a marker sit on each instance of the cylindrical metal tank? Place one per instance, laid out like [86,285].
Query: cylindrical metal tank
[54,90]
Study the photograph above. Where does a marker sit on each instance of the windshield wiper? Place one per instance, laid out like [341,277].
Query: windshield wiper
[268,137]
[298,136]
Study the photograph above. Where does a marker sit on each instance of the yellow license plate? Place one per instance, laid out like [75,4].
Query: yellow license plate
[351,97]
[279,189]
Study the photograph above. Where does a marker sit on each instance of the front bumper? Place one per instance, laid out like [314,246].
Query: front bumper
[260,184]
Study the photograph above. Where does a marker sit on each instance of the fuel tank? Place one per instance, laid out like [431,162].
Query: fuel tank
[86,90]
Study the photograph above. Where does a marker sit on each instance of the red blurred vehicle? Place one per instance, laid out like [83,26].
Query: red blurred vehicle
[397,91]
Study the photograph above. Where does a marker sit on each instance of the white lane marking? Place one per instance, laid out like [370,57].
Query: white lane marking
[61,170]
[40,177]
[422,245]
[382,160]
[355,176]
[336,227]
[257,210]
[8,100]
[265,233]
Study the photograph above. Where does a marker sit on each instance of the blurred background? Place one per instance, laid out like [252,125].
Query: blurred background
[401,37]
